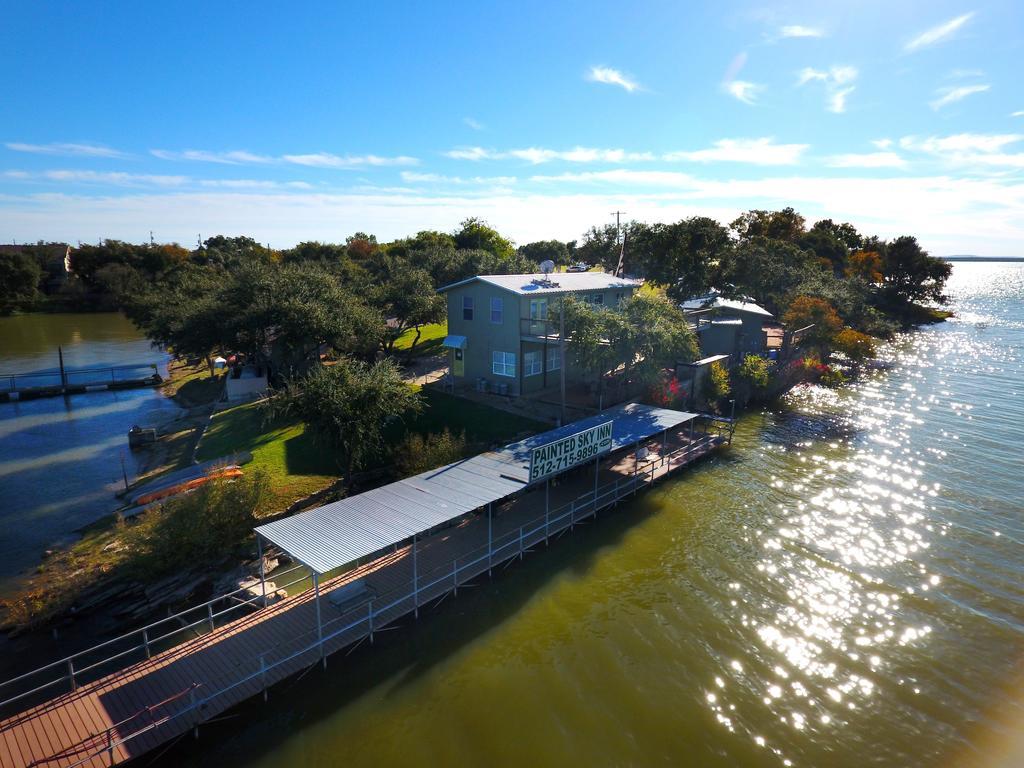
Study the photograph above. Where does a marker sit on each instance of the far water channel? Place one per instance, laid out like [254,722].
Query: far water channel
[60,457]
[843,587]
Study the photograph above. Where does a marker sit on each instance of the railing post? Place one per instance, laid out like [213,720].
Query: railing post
[110,746]
[490,551]
[263,676]
[369,617]
[71,675]
[263,575]
[145,642]
[209,613]
[319,624]
[547,509]
[520,543]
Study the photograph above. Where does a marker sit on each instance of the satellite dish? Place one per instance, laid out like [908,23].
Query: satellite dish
[547,266]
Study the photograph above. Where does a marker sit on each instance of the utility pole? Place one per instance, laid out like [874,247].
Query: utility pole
[618,242]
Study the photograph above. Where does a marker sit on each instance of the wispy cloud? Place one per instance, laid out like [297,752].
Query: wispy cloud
[946,96]
[867,160]
[799,30]
[125,179]
[672,179]
[937,34]
[982,152]
[476,125]
[232,157]
[1018,113]
[743,90]
[413,177]
[762,151]
[837,84]
[611,76]
[882,143]
[327,160]
[66,149]
[538,155]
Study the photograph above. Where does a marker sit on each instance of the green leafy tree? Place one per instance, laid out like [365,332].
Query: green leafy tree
[766,270]
[19,280]
[911,275]
[347,406]
[475,234]
[409,301]
[544,250]
[786,225]
[716,384]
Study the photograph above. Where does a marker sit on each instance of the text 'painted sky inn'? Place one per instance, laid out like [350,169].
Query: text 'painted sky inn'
[569,451]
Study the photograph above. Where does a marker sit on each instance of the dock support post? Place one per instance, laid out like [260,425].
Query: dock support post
[71,675]
[690,446]
[547,509]
[319,625]
[636,464]
[263,576]
[263,676]
[415,581]
[369,618]
[520,543]
[489,550]
[209,616]
[145,643]
[597,472]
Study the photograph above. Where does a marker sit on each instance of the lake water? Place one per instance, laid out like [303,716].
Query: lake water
[842,588]
[60,458]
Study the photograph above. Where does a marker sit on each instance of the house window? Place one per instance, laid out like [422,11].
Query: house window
[554,358]
[593,299]
[533,363]
[619,298]
[538,309]
[503,364]
[598,298]
[467,307]
[496,310]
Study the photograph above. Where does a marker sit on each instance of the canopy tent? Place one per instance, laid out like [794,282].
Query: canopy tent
[344,531]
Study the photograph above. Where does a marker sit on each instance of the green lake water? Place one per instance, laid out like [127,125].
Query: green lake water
[60,457]
[843,587]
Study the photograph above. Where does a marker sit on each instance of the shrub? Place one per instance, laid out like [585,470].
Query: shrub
[197,529]
[807,310]
[716,385]
[668,393]
[754,370]
[419,453]
[832,377]
[855,345]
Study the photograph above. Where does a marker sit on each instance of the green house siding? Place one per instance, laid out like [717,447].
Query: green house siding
[484,336]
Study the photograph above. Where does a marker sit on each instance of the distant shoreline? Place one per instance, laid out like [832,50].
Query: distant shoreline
[982,258]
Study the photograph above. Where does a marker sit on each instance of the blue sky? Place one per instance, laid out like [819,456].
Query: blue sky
[291,122]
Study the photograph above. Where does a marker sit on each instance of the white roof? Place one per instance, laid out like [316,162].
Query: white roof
[714,301]
[559,282]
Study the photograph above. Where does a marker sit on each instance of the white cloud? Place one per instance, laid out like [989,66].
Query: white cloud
[233,157]
[882,143]
[327,160]
[672,179]
[867,160]
[938,33]
[954,94]
[961,142]
[413,177]
[799,30]
[612,77]
[949,214]
[66,150]
[971,151]
[836,80]
[476,125]
[743,90]
[1018,113]
[762,151]
[114,178]
[538,155]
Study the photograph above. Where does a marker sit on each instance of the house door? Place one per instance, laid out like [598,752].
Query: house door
[459,367]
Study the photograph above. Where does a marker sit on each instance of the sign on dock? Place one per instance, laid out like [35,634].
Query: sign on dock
[575,449]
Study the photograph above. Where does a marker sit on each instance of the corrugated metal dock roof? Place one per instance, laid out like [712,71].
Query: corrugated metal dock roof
[336,534]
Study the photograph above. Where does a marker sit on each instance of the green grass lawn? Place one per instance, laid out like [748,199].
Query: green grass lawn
[297,465]
[431,337]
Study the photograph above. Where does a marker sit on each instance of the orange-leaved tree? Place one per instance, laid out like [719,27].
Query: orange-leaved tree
[855,345]
[808,310]
[867,265]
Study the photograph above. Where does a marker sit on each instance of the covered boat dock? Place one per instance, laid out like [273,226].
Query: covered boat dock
[370,560]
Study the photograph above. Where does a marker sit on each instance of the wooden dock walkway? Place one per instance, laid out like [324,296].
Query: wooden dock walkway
[135,710]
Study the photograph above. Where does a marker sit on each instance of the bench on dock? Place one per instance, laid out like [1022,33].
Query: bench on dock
[348,596]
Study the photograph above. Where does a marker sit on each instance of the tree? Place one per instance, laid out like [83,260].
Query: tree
[475,234]
[683,255]
[347,406]
[602,245]
[911,275]
[544,250]
[866,266]
[716,384]
[786,225]
[409,300]
[807,310]
[754,371]
[19,280]
[227,252]
[765,270]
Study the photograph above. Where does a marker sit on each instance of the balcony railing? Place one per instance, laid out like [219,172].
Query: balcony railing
[547,328]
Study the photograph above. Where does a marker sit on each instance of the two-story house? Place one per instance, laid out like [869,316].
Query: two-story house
[503,333]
